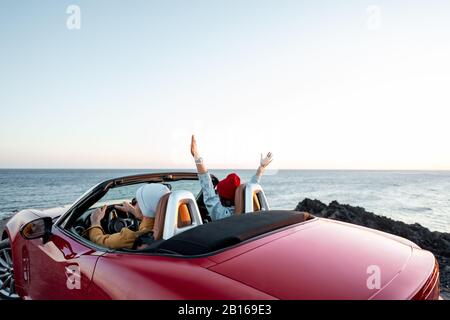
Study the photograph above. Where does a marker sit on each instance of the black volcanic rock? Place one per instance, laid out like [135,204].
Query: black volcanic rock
[436,242]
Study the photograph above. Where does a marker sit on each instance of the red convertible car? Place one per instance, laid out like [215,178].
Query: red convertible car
[256,254]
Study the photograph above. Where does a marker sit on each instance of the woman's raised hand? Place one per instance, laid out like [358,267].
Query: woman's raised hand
[265,161]
[194,150]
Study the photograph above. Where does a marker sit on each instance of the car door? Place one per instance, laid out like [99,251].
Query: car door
[120,275]
[61,268]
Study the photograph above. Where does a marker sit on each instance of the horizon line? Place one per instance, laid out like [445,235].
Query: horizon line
[230,169]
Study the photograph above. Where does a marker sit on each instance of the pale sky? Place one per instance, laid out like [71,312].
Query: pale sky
[321,84]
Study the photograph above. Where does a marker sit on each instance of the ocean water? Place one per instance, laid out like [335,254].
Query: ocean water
[409,196]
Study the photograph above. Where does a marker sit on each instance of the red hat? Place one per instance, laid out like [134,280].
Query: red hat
[227,187]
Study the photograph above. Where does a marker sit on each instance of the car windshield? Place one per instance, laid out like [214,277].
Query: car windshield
[127,193]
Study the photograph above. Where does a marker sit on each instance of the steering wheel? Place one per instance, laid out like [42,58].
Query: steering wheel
[113,221]
[116,220]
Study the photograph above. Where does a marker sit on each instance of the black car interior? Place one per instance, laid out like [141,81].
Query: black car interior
[115,220]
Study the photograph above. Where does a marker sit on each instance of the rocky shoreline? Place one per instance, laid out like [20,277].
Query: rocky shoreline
[436,242]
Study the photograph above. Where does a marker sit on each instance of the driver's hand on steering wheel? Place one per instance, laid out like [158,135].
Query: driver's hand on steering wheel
[126,207]
[98,215]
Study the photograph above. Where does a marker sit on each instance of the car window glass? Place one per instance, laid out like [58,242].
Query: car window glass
[188,185]
[118,195]
[127,193]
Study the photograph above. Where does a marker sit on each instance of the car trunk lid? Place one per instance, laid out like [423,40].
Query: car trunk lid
[326,260]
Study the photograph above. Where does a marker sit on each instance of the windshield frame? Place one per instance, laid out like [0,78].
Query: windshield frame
[99,191]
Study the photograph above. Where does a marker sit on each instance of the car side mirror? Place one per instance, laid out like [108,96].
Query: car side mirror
[39,228]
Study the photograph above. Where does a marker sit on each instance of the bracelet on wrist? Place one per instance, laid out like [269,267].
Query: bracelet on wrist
[199,160]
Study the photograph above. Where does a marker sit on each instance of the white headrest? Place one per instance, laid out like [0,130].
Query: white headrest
[177,198]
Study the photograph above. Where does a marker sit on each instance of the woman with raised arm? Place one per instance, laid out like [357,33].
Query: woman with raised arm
[221,205]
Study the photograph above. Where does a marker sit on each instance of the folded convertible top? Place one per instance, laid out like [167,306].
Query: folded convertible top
[223,233]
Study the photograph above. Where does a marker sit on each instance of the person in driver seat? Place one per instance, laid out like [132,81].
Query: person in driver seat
[147,198]
[221,205]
